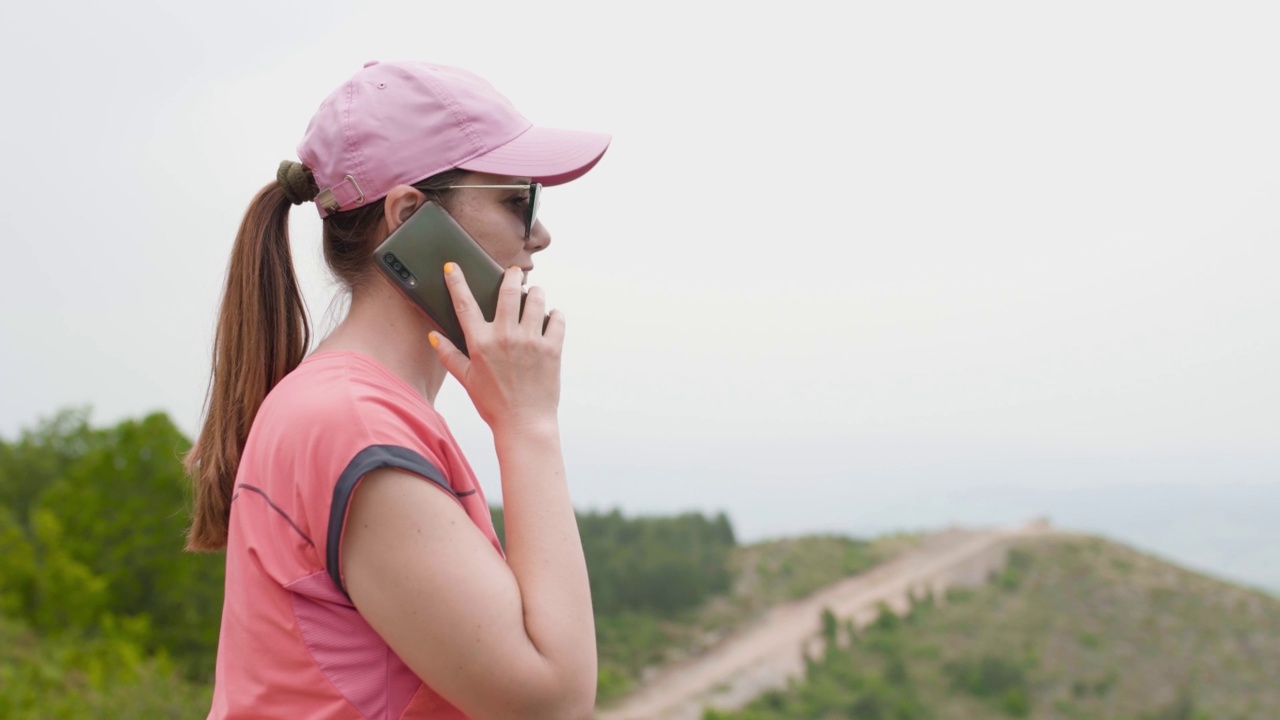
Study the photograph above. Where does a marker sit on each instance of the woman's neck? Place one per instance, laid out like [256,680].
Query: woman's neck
[384,325]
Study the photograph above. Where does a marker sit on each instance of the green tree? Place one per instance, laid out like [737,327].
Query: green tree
[123,506]
[92,533]
[652,564]
[41,456]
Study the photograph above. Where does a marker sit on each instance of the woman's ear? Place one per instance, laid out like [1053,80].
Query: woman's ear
[402,202]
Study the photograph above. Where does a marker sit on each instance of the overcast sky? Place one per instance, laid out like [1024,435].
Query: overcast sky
[833,262]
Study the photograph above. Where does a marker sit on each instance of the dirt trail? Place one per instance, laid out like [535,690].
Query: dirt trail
[764,654]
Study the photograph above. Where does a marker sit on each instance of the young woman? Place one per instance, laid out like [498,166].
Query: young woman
[364,577]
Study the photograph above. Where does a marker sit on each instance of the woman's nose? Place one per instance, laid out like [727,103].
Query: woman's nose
[539,238]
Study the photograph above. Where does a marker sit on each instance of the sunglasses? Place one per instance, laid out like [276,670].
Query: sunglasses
[530,210]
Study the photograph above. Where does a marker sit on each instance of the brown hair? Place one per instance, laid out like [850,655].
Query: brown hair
[263,332]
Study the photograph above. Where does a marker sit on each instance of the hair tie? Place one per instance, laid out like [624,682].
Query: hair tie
[296,181]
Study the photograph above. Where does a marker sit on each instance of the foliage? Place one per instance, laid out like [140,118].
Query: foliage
[829,626]
[104,675]
[661,564]
[42,455]
[988,676]
[1015,569]
[993,677]
[629,642]
[665,565]
[93,532]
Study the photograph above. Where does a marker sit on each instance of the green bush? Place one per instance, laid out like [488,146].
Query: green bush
[1015,703]
[988,676]
[1015,569]
[829,627]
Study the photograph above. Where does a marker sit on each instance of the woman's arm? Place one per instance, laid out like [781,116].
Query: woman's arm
[498,639]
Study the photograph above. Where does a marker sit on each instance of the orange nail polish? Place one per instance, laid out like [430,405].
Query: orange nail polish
[433,339]
[448,268]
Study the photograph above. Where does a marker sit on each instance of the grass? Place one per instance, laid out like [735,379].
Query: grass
[782,570]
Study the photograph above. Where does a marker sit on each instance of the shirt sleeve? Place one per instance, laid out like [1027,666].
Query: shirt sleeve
[366,460]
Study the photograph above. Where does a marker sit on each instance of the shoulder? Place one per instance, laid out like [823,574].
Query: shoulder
[334,408]
[346,397]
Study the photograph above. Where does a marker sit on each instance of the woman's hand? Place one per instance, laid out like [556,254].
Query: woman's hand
[513,374]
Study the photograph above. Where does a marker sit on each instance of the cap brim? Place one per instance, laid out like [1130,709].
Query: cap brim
[544,155]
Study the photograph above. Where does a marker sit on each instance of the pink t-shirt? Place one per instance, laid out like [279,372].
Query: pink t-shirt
[292,645]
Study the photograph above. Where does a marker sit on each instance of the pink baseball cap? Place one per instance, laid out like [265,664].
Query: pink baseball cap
[396,123]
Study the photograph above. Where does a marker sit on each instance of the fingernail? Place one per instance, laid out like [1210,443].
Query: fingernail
[448,268]
[432,337]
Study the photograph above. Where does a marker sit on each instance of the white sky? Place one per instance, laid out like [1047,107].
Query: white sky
[833,261]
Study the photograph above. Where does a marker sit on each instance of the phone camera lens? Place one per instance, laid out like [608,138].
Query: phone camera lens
[404,274]
[389,258]
[397,266]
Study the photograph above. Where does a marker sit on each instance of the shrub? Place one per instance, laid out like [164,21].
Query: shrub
[1015,703]
[989,676]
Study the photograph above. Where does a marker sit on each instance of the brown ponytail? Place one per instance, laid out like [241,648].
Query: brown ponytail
[262,335]
[263,331]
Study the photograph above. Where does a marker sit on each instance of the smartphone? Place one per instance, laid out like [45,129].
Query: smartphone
[413,259]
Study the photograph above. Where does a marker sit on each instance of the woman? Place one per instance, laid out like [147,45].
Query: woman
[364,577]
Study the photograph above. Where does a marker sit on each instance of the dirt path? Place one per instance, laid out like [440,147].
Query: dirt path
[764,654]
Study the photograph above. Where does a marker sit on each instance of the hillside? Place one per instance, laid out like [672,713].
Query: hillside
[767,651]
[1073,627]
[634,645]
